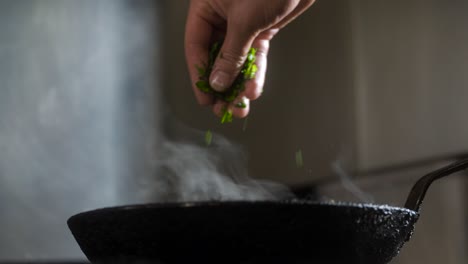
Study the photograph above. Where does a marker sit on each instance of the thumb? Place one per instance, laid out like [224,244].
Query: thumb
[231,58]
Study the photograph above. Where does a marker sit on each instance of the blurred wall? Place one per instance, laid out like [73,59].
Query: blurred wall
[78,109]
[411,94]
[410,59]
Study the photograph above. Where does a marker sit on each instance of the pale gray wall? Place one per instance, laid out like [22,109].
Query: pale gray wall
[411,83]
[410,59]
[77,110]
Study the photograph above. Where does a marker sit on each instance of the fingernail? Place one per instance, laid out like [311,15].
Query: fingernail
[220,81]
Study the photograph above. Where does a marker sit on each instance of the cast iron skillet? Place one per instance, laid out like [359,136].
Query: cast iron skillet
[252,232]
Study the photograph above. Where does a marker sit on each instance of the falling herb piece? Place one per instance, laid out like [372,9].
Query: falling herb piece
[247,72]
[299,159]
[208,137]
[227,116]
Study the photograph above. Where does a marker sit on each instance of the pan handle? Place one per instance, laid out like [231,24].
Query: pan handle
[418,192]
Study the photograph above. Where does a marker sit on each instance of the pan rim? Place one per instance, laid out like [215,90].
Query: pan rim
[249,203]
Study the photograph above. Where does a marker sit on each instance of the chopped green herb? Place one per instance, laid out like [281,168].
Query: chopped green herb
[214,51]
[248,72]
[231,96]
[250,68]
[241,104]
[201,70]
[208,137]
[204,86]
[299,159]
[227,116]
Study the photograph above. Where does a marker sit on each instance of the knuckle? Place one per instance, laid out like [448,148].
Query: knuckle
[231,60]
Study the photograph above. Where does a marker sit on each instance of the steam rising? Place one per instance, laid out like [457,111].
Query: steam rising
[79,108]
[348,183]
[195,172]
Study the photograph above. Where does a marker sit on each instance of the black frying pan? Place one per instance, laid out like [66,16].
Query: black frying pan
[252,232]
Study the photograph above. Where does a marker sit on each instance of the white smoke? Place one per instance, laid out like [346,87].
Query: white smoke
[192,171]
[349,184]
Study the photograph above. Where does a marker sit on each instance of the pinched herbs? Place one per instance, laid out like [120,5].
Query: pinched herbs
[248,72]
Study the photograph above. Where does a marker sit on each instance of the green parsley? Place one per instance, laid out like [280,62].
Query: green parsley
[227,116]
[299,159]
[248,72]
[208,137]
[241,104]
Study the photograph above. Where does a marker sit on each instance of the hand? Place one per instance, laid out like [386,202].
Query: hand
[242,24]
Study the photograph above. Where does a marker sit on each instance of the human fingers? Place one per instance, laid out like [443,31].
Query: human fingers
[254,87]
[232,55]
[301,7]
[198,34]
[239,107]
